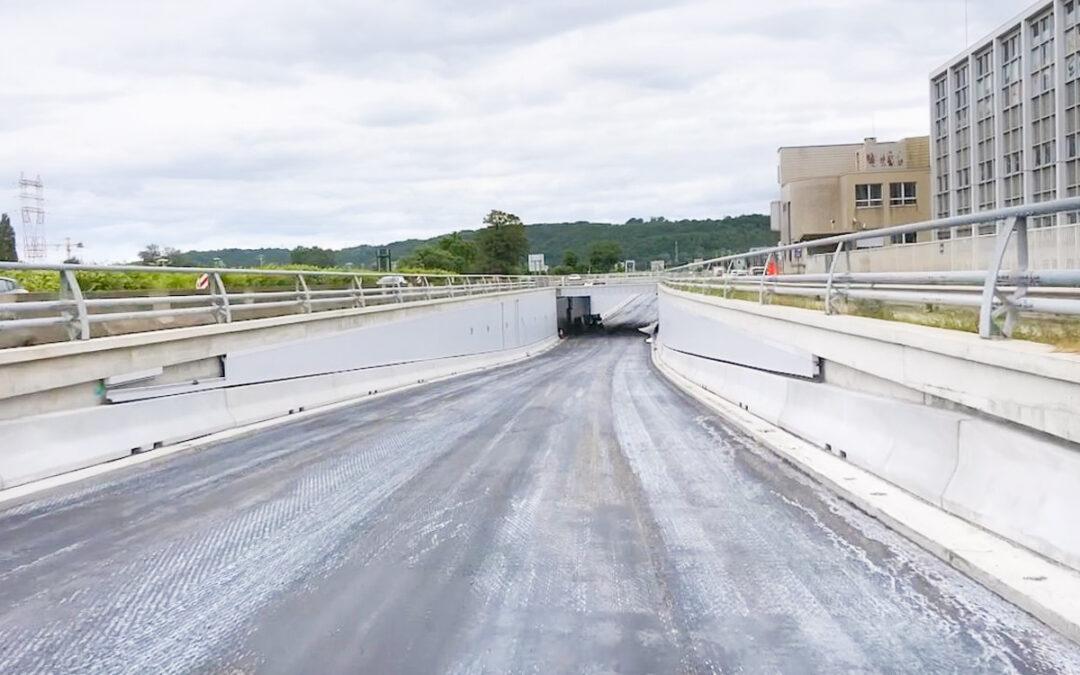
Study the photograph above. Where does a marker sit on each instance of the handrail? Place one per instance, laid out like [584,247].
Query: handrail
[77,314]
[1003,294]
[1023,211]
[157,269]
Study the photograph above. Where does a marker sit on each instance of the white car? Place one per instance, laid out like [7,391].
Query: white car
[393,281]
[9,286]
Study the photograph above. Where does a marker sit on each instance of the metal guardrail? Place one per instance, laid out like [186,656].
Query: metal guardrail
[1001,294]
[76,313]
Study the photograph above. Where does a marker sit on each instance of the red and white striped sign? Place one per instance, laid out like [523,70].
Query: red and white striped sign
[203,282]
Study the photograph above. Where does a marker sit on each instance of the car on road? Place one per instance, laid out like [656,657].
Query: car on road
[392,281]
[10,286]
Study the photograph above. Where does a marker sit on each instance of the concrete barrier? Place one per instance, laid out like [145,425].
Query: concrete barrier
[1018,482]
[268,368]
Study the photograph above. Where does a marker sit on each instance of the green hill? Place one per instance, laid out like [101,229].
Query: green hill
[640,240]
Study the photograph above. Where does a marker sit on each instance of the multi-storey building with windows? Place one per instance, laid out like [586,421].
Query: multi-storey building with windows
[1004,131]
[833,189]
[1004,118]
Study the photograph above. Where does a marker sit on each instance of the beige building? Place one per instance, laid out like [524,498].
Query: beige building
[834,189]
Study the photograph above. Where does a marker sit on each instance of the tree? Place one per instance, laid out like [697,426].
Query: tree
[155,254]
[603,255]
[433,258]
[452,253]
[8,252]
[570,260]
[312,256]
[151,254]
[502,245]
[461,248]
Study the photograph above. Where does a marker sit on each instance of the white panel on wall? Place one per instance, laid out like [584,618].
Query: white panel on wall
[685,326]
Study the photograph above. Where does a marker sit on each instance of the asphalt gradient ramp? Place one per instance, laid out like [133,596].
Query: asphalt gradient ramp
[571,513]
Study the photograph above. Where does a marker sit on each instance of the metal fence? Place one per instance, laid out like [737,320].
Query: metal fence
[1001,292]
[209,301]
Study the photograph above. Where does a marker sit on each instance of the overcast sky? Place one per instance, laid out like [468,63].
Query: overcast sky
[270,123]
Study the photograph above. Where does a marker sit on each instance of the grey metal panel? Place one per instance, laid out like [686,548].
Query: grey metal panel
[686,328]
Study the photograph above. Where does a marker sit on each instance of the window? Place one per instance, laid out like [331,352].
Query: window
[867,196]
[902,194]
[941,146]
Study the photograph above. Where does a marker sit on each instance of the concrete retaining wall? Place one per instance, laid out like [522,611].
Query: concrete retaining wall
[1013,480]
[270,368]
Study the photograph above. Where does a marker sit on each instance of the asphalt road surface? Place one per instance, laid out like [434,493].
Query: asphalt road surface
[574,513]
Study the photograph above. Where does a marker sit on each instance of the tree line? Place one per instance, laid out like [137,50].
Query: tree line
[503,244]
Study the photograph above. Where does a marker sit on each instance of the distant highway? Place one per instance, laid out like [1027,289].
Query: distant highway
[573,513]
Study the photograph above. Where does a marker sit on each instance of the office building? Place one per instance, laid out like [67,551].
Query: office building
[1005,115]
[834,189]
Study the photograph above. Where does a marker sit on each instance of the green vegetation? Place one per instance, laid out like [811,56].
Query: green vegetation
[155,279]
[155,254]
[638,239]
[501,246]
[312,256]
[452,252]
[603,256]
[8,252]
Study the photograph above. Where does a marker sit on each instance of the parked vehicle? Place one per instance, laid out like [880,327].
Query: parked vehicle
[10,286]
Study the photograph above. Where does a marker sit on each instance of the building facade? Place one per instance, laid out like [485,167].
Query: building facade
[1005,116]
[834,189]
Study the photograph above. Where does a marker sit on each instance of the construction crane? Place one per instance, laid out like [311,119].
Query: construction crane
[68,246]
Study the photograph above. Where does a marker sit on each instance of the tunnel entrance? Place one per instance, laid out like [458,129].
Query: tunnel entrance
[576,315]
[584,314]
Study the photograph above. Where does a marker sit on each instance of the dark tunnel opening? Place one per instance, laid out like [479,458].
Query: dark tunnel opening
[576,315]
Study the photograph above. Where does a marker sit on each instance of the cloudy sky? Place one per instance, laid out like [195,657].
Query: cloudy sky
[338,122]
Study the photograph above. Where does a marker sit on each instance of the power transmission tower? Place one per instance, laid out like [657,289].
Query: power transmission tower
[32,200]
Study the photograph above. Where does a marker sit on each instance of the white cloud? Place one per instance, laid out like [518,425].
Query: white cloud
[335,123]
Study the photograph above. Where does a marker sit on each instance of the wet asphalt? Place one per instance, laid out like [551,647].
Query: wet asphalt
[572,513]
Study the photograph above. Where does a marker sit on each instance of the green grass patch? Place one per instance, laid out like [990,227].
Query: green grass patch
[153,279]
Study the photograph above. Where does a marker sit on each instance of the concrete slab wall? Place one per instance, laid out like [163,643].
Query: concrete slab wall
[269,373]
[1017,482]
[1030,384]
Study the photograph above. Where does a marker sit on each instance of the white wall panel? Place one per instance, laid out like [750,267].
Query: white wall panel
[689,327]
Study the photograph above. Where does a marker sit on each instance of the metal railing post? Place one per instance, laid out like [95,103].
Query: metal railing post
[222,311]
[357,285]
[987,313]
[427,286]
[78,325]
[832,273]
[303,293]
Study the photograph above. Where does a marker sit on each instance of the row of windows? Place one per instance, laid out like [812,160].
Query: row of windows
[1008,91]
[868,195]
